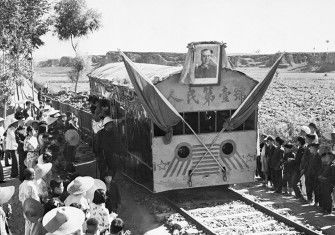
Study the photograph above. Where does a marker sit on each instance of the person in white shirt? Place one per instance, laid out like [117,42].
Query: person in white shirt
[11,146]
[28,189]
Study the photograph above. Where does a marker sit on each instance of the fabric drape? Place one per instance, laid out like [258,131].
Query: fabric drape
[160,110]
[250,104]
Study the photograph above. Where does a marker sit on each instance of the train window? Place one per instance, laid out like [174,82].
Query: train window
[192,119]
[221,117]
[250,123]
[158,131]
[178,129]
[207,121]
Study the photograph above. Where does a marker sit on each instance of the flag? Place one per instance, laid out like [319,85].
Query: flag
[160,110]
[251,102]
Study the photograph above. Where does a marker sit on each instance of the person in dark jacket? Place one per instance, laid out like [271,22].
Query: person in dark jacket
[288,168]
[276,165]
[312,173]
[113,201]
[296,173]
[327,182]
[20,136]
[307,154]
[269,150]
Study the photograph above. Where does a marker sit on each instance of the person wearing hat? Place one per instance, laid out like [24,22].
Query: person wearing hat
[296,172]
[312,173]
[34,211]
[307,154]
[64,221]
[327,182]
[31,146]
[6,193]
[11,147]
[304,130]
[288,163]
[41,171]
[314,131]
[77,190]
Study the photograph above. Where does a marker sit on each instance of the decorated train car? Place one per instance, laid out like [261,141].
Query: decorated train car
[199,150]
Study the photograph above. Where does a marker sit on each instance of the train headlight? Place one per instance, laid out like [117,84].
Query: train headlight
[183,150]
[228,148]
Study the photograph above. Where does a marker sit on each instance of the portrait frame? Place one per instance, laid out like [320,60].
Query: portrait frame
[196,74]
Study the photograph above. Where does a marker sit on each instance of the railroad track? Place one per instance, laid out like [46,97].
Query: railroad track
[218,210]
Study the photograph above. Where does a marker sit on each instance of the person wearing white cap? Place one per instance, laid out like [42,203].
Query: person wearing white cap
[64,221]
[6,193]
[77,190]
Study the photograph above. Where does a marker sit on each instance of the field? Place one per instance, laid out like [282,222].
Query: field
[293,99]
[57,79]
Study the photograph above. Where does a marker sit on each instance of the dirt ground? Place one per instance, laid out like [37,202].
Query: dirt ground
[289,206]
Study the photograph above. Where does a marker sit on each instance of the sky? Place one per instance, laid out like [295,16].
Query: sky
[247,26]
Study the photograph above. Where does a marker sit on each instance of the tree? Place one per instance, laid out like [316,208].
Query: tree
[74,20]
[79,65]
[22,23]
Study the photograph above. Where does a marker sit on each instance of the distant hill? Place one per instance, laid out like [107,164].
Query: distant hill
[297,61]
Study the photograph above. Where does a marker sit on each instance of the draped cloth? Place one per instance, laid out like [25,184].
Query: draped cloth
[160,110]
[250,104]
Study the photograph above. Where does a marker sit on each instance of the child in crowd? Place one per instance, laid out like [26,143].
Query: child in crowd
[288,164]
[57,189]
[116,227]
[92,227]
[312,173]
[99,211]
[327,182]
[296,167]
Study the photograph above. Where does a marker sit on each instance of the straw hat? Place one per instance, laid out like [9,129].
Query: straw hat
[42,170]
[72,137]
[33,210]
[98,184]
[305,129]
[107,120]
[11,121]
[80,185]
[63,220]
[6,194]
[51,120]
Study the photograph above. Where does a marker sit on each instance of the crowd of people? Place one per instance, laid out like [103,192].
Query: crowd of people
[40,143]
[282,164]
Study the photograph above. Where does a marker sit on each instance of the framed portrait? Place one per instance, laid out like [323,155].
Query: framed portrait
[206,64]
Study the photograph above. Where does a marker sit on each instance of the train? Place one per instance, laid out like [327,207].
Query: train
[205,91]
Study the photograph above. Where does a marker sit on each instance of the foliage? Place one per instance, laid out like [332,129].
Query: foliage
[74,20]
[22,23]
[79,65]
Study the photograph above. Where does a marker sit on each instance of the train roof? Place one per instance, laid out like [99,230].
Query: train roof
[116,73]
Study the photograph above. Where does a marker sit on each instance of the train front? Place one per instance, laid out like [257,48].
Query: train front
[202,153]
